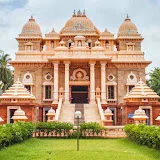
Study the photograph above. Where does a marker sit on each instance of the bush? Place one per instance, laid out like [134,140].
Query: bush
[54,128]
[145,135]
[15,133]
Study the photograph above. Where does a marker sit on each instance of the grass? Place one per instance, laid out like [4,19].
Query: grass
[65,149]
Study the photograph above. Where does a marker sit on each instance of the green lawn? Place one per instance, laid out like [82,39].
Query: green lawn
[65,149]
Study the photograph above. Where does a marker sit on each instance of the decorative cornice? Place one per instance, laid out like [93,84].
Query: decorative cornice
[132,64]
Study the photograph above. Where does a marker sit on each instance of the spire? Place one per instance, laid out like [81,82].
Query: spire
[31,19]
[106,30]
[127,18]
[79,14]
[74,13]
[53,30]
[84,13]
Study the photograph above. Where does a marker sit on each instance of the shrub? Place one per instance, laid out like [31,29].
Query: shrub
[145,135]
[15,133]
[54,128]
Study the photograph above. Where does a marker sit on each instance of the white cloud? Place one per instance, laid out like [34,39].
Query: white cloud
[104,13]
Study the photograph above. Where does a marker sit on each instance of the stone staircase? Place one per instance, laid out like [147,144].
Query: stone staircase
[79,107]
[67,113]
[91,113]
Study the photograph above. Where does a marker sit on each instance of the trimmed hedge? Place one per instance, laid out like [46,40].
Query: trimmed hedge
[66,130]
[145,135]
[15,133]
[53,129]
[54,125]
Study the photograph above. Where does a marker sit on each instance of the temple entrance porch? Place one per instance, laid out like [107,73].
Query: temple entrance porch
[79,94]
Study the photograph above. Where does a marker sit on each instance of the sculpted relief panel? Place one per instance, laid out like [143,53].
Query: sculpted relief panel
[79,75]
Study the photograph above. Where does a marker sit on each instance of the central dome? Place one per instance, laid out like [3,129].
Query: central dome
[79,24]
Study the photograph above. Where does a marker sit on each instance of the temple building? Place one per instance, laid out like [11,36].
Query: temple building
[80,68]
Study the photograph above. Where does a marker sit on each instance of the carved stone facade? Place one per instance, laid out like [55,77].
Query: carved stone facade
[82,56]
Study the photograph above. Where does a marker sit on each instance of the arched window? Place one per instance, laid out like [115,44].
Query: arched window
[107,44]
[69,44]
[52,44]
[89,44]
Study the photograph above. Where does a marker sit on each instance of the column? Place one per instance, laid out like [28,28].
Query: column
[103,83]
[92,81]
[55,93]
[66,94]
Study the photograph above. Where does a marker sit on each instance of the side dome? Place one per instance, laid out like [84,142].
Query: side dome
[79,24]
[31,29]
[127,28]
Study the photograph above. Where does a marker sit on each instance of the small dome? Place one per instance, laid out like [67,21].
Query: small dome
[139,114]
[127,27]
[31,28]
[19,114]
[97,43]
[108,112]
[62,42]
[1,120]
[51,112]
[52,35]
[79,37]
[158,118]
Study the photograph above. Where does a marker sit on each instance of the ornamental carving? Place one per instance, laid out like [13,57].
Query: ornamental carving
[79,75]
[48,77]
[131,78]
[27,78]
[111,77]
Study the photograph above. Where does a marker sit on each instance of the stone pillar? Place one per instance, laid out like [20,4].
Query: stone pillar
[103,83]
[66,95]
[55,94]
[92,81]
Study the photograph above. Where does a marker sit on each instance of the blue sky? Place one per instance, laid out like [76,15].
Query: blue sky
[104,14]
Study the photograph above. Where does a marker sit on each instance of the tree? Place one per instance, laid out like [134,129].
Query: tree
[154,81]
[6,77]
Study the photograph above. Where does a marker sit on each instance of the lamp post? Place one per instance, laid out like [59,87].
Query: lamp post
[78,115]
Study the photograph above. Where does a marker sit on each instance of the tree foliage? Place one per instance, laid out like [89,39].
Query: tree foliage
[6,78]
[154,81]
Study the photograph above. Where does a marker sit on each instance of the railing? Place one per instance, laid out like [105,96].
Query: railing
[101,112]
[107,132]
[115,132]
[58,110]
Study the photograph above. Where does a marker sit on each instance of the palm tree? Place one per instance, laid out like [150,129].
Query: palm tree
[6,77]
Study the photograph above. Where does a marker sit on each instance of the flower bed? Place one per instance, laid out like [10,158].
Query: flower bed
[15,133]
[145,135]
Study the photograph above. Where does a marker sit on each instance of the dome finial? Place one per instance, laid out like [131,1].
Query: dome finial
[79,14]
[74,13]
[127,15]
[106,30]
[127,18]
[84,13]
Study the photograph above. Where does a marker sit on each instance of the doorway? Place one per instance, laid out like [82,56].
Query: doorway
[11,114]
[79,94]
[147,111]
